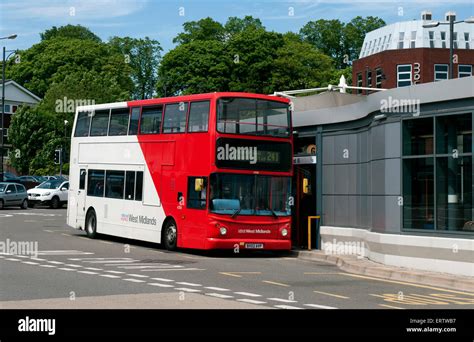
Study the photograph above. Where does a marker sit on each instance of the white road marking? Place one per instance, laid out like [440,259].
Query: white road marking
[288,307]
[72,265]
[12,259]
[320,306]
[282,300]
[138,275]
[185,289]
[116,272]
[49,266]
[160,285]
[147,266]
[63,252]
[55,262]
[109,276]
[251,301]
[87,272]
[174,269]
[219,295]
[25,256]
[30,262]
[216,288]
[188,284]
[163,279]
[66,269]
[38,259]
[93,268]
[248,294]
[134,280]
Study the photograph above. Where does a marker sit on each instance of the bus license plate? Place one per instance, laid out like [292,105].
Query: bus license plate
[254,245]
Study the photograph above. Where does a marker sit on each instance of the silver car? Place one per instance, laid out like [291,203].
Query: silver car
[12,194]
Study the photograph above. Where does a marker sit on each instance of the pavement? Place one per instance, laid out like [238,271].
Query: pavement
[363,266]
[73,271]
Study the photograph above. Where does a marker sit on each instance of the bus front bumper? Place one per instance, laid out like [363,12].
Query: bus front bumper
[248,244]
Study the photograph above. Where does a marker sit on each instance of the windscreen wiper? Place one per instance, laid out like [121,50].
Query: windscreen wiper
[236,212]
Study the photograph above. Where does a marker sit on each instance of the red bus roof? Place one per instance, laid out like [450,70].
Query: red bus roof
[206,96]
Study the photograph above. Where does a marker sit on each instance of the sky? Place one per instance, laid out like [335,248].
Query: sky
[163,19]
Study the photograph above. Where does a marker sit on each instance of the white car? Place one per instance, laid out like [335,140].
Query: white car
[52,192]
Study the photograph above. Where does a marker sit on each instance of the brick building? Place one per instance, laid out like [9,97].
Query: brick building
[406,53]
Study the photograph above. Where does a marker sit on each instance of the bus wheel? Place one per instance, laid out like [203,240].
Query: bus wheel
[91,224]
[170,235]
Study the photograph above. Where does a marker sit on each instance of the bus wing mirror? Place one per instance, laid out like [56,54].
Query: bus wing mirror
[305,186]
[198,184]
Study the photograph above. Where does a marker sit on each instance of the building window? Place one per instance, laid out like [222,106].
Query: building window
[404,75]
[369,79]
[437,187]
[378,78]
[401,37]
[432,41]
[413,40]
[7,108]
[464,70]
[440,72]
[443,39]
[359,82]
[466,38]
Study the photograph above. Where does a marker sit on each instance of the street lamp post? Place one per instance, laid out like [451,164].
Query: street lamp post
[13,36]
[451,23]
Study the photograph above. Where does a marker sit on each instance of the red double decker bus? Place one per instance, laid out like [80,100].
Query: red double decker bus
[207,171]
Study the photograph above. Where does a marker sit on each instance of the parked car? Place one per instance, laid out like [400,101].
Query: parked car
[52,192]
[30,181]
[13,195]
[9,177]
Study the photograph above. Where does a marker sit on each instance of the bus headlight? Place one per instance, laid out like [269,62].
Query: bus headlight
[284,232]
[223,230]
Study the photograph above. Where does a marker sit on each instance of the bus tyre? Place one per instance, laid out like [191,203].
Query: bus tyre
[170,235]
[24,204]
[91,224]
[55,204]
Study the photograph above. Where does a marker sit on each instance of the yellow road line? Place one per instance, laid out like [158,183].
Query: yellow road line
[391,307]
[408,284]
[275,283]
[331,294]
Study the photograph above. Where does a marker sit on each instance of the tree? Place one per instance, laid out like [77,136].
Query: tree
[194,67]
[236,25]
[53,59]
[70,31]
[299,65]
[327,36]
[204,29]
[143,56]
[338,40]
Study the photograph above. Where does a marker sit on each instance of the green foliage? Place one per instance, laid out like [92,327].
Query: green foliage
[204,29]
[338,40]
[143,56]
[69,31]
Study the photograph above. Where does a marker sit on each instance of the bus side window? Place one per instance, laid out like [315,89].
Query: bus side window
[197,192]
[198,116]
[130,185]
[139,186]
[133,126]
[82,179]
